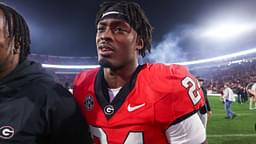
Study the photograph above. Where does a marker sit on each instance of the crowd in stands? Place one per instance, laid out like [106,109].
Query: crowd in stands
[63,76]
[238,75]
[235,74]
[63,60]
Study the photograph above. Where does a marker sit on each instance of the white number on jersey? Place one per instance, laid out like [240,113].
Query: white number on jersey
[132,138]
[189,84]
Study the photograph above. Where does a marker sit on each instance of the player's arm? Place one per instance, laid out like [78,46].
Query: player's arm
[65,120]
[188,131]
[187,90]
[188,99]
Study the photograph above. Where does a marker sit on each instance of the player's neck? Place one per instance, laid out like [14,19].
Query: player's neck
[118,78]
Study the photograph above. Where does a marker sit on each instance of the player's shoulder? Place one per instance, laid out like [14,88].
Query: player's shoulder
[164,78]
[175,70]
[85,75]
[89,72]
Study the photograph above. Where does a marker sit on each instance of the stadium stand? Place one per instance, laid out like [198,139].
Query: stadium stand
[63,76]
[238,71]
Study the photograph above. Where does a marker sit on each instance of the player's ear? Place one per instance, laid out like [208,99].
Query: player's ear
[139,43]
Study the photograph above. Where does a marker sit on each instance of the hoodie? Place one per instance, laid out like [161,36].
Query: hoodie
[34,109]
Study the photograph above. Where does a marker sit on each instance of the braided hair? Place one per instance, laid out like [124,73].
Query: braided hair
[135,16]
[17,29]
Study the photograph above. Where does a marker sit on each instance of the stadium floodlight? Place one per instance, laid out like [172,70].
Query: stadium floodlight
[224,31]
[70,66]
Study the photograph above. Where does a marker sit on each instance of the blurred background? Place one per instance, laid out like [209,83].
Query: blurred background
[216,39]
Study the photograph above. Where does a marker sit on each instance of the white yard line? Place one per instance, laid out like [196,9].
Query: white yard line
[238,114]
[231,135]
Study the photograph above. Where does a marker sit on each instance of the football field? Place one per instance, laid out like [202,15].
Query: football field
[240,130]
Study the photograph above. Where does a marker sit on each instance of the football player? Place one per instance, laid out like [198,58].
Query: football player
[128,103]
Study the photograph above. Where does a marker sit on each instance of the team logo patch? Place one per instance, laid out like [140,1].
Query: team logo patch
[89,103]
[109,109]
[6,132]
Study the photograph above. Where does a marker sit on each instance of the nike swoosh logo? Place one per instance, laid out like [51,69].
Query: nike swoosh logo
[131,109]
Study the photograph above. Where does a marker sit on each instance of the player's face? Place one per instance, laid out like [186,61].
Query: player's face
[7,57]
[117,43]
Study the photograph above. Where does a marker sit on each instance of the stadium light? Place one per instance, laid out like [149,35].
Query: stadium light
[224,31]
[70,66]
[246,52]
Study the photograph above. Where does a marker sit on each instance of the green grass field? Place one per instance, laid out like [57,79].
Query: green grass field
[240,130]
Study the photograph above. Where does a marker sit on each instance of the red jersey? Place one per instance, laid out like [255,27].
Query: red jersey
[156,97]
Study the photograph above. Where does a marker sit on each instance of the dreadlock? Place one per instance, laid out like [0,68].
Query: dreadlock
[17,29]
[135,16]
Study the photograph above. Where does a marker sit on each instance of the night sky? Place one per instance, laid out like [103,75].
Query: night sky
[67,28]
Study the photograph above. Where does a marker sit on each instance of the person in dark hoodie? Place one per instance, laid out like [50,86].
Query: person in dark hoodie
[34,109]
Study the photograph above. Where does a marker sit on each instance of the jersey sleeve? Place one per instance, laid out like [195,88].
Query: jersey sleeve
[189,131]
[187,95]
[184,96]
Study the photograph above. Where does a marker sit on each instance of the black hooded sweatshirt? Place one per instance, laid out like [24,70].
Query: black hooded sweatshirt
[34,109]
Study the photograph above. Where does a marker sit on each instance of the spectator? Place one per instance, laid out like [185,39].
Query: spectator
[251,88]
[228,97]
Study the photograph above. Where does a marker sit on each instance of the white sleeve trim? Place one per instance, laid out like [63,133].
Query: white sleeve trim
[188,131]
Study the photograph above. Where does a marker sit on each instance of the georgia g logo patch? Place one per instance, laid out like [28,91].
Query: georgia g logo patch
[6,132]
[89,103]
